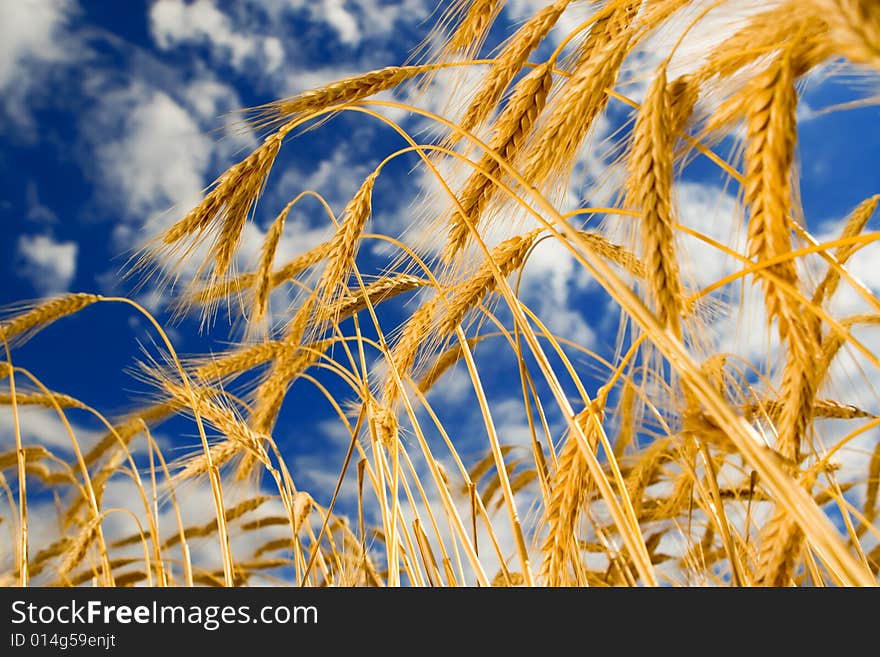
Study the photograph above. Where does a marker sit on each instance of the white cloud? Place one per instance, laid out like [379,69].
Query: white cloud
[160,158]
[27,32]
[337,16]
[174,22]
[48,264]
[32,40]
[40,426]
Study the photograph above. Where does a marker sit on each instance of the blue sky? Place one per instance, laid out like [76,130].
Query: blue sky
[112,121]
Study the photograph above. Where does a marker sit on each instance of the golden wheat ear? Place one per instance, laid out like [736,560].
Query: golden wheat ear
[509,135]
[508,65]
[854,28]
[344,245]
[581,100]
[649,191]
[256,321]
[24,322]
[340,92]
[215,225]
[568,491]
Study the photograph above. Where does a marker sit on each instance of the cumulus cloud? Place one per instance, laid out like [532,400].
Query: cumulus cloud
[174,22]
[32,39]
[27,34]
[48,265]
[160,157]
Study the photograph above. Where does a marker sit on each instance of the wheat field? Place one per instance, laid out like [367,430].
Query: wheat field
[670,454]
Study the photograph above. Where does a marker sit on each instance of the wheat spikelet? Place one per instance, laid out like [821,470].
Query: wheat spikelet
[222,213]
[98,484]
[403,354]
[302,507]
[493,484]
[683,93]
[41,399]
[682,492]
[344,244]
[799,386]
[385,423]
[769,154]
[25,324]
[240,437]
[349,90]
[130,578]
[270,394]
[38,564]
[645,471]
[442,363]
[780,549]
[832,344]
[606,26]
[31,453]
[579,102]
[471,31]
[267,521]
[264,270]
[355,299]
[221,453]
[283,543]
[855,28]
[615,253]
[483,466]
[234,362]
[822,408]
[85,575]
[221,417]
[217,578]
[806,52]
[509,134]
[568,490]
[649,190]
[211,294]
[51,479]
[508,64]
[123,432]
[626,423]
[855,224]
[78,548]
[199,531]
[761,36]
[508,256]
